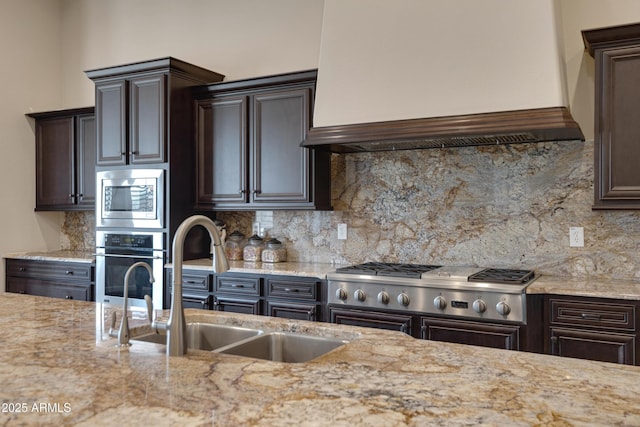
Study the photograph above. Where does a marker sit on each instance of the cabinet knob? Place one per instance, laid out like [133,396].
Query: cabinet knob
[22,269]
[243,191]
[68,272]
[68,297]
[256,191]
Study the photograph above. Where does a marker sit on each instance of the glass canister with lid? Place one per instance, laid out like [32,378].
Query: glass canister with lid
[234,246]
[253,250]
[274,251]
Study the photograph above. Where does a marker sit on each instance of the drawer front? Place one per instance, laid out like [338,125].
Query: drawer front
[298,311]
[593,314]
[196,282]
[50,270]
[292,289]
[50,289]
[238,285]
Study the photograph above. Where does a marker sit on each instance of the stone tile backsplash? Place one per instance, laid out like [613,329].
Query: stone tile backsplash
[500,206]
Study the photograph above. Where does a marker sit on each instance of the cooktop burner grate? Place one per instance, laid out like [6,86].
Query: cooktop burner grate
[388,269]
[500,275]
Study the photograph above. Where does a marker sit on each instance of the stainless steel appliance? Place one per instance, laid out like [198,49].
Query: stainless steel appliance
[420,294]
[130,198]
[116,252]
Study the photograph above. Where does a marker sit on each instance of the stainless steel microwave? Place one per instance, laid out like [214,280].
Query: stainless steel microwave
[132,198]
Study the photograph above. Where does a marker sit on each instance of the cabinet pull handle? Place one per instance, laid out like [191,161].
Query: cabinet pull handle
[22,269]
[68,297]
[588,316]
[289,290]
[237,285]
[68,272]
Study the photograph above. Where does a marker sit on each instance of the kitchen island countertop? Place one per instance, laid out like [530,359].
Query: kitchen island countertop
[58,367]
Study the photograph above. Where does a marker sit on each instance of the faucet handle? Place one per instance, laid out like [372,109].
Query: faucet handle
[112,330]
[150,314]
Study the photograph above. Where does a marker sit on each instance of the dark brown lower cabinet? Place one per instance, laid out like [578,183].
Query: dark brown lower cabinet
[66,280]
[372,319]
[593,345]
[237,305]
[296,310]
[592,328]
[473,333]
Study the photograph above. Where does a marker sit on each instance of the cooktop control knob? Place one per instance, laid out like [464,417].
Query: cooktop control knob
[439,302]
[341,294]
[383,298]
[403,299]
[360,295]
[503,308]
[479,306]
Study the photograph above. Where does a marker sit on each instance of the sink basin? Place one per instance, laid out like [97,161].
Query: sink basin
[206,336]
[283,347]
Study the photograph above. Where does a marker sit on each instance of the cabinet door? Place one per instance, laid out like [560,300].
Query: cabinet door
[290,310]
[111,123]
[147,129]
[617,146]
[472,333]
[55,168]
[593,345]
[222,151]
[237,305]
[371,319]
[280,167]
[86,161]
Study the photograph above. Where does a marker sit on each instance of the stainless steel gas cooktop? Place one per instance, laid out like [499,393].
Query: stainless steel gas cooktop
[479,293]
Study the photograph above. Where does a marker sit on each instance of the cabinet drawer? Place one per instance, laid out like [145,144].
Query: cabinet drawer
[238,285]
[50,289]
[298,311]
[199,282]
[292,289]
[49,270]
[593,314]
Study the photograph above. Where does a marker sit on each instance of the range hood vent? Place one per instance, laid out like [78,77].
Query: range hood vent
[509,127]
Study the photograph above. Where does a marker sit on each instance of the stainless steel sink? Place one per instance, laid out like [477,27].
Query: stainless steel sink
[283,347]
[206,336]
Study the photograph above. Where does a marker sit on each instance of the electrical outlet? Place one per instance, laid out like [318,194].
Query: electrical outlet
[576,237]
[256,228]
[342,231]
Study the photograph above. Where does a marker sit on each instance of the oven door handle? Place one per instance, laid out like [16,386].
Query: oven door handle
[129,256]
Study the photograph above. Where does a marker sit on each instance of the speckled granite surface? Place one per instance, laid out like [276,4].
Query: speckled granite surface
[58,367]
[308,269]
[66,255]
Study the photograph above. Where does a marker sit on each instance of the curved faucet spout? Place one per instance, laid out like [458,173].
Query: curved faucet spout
[176,325]
[123,332]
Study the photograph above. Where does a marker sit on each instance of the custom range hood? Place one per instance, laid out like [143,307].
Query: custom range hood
[431,74]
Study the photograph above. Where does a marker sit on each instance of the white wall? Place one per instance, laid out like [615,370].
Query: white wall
[237,38]
[29,81]
[578,15]
[385,60]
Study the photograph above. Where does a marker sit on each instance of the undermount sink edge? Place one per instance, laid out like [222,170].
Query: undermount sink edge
[285,347]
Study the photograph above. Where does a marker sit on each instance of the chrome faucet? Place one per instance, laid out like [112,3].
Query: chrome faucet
[123,332]
[176,325]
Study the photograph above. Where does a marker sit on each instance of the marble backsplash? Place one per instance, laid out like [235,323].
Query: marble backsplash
[500,206]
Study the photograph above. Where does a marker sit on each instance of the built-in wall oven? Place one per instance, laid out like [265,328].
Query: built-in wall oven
[118,250]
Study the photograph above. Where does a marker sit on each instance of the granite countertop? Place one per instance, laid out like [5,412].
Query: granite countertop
[590,287]
[63,255]
[307,269]
[545,284]
[58,367]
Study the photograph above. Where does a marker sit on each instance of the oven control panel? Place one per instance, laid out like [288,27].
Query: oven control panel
[463,303]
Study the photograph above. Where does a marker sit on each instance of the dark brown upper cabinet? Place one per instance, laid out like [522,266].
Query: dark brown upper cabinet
[616,51]
[141,106]
[249,156]
[65,160]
